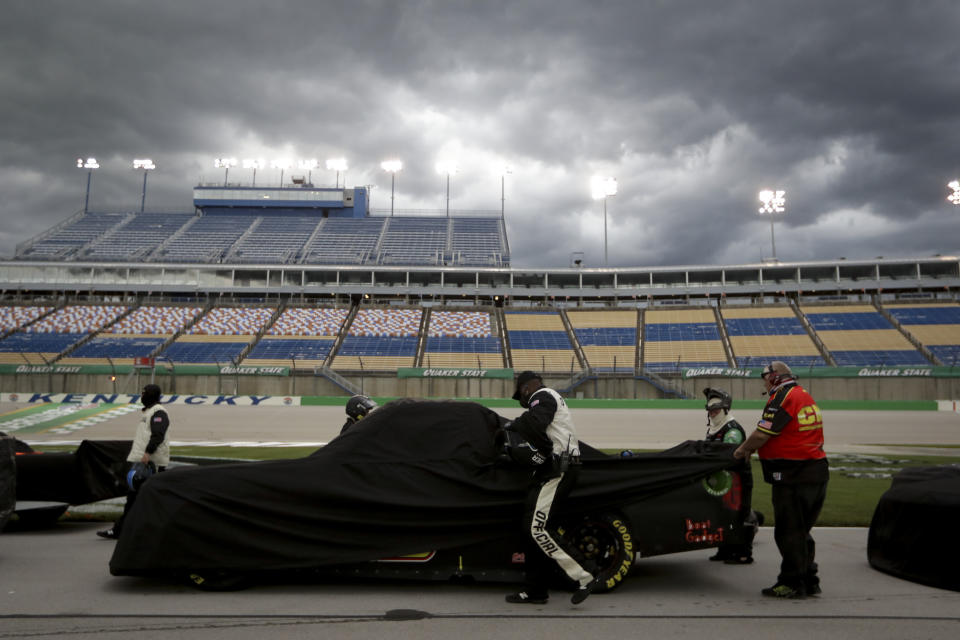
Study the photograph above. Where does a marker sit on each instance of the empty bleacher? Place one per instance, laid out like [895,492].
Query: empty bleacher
[275,239]
[64,241]
[344,241]
[936,326]
[16,317]
[137,237]
[206,240]
[681,338]
[51,335]
[859,335]
[220,336]
[136,335]
[761,334]
[381,340]
[608,338]
[414,241]
[477,241]
[539,341]
[462,339]
[301,338]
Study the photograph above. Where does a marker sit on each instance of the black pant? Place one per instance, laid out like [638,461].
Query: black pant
[796,508]
[545,549]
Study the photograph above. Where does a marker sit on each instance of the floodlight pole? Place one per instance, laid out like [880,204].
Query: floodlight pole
[605,231]
[774,201]
[503,198]
[89,164]
[145,165]
[448,194]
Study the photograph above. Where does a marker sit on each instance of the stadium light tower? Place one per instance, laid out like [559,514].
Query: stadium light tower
[338,165]
[391,167]
[503,179]
[603,187]
[774,202]
[225,164]
[282,164]
[446,167]
[309,165]
[146,165]
[955,196]
[253,163]
[89,164]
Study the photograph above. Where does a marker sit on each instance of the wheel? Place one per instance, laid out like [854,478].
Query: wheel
[606,543]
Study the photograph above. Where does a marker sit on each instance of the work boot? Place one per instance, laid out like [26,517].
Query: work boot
[785,591]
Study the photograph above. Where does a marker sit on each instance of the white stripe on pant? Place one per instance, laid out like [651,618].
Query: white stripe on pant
[543,539]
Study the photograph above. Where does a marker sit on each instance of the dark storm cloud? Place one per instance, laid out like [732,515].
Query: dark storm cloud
[692,106]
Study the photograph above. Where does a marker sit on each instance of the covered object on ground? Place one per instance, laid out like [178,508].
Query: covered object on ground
[913,534]
[412,476]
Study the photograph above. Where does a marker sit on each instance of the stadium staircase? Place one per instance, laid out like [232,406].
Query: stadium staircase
[344,330]
[906,334]
[822,348]
[93,334]
[262,332]
[157,253]
[86,249]
[572,336]
[504,337]
[724,337]
[340,381]
[231,251]
[422,341]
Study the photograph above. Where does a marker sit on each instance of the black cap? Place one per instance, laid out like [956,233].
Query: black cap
[524,378]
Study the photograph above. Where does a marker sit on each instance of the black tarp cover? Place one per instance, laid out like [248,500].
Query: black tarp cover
[8,478]
[413,476]
[86,475]
[913,534]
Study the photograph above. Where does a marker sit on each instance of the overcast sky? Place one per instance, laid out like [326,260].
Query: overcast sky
[852,107]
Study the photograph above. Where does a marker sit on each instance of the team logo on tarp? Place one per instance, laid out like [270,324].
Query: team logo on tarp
[719,483]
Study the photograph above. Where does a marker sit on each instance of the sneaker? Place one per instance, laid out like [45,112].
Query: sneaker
[814,590]
[110,534]
[583,592]
[784,591]
[738,560]
[522,597]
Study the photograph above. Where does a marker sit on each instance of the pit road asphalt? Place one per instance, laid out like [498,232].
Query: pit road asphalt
[56,582]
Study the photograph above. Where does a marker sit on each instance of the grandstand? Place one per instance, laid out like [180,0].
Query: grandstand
[309,280]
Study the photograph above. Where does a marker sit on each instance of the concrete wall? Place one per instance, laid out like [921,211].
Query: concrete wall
[389,386]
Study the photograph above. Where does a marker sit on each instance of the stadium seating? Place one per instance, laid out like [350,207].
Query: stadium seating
[414,241]
[477,242]
[51,335]
[859,335]
[381,340]
[936,326]
[301,337]
[462,339]
[275,239]
[759,335]
[608,338]
[539,341]
[680,338]
[220,336]
[344,241]
[136,238]
[64,242]
[36,348]
[19,316]
[206,240]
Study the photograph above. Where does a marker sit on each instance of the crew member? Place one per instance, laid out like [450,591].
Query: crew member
[723,427]
[151,446]
[789,441]
[358,407]
[548,426]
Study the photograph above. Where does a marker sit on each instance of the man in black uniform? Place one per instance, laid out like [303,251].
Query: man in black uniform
[723,427]
[358,407]
[548,427]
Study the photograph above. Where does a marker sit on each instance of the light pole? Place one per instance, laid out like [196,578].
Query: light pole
[955,196]
[774,202]
[253,163]
[391,167]
[602,187]
[338,165]
[309,166]
[282,164]
[225,164]
[146,165]
[89,164]
[503,178]
[445,167]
